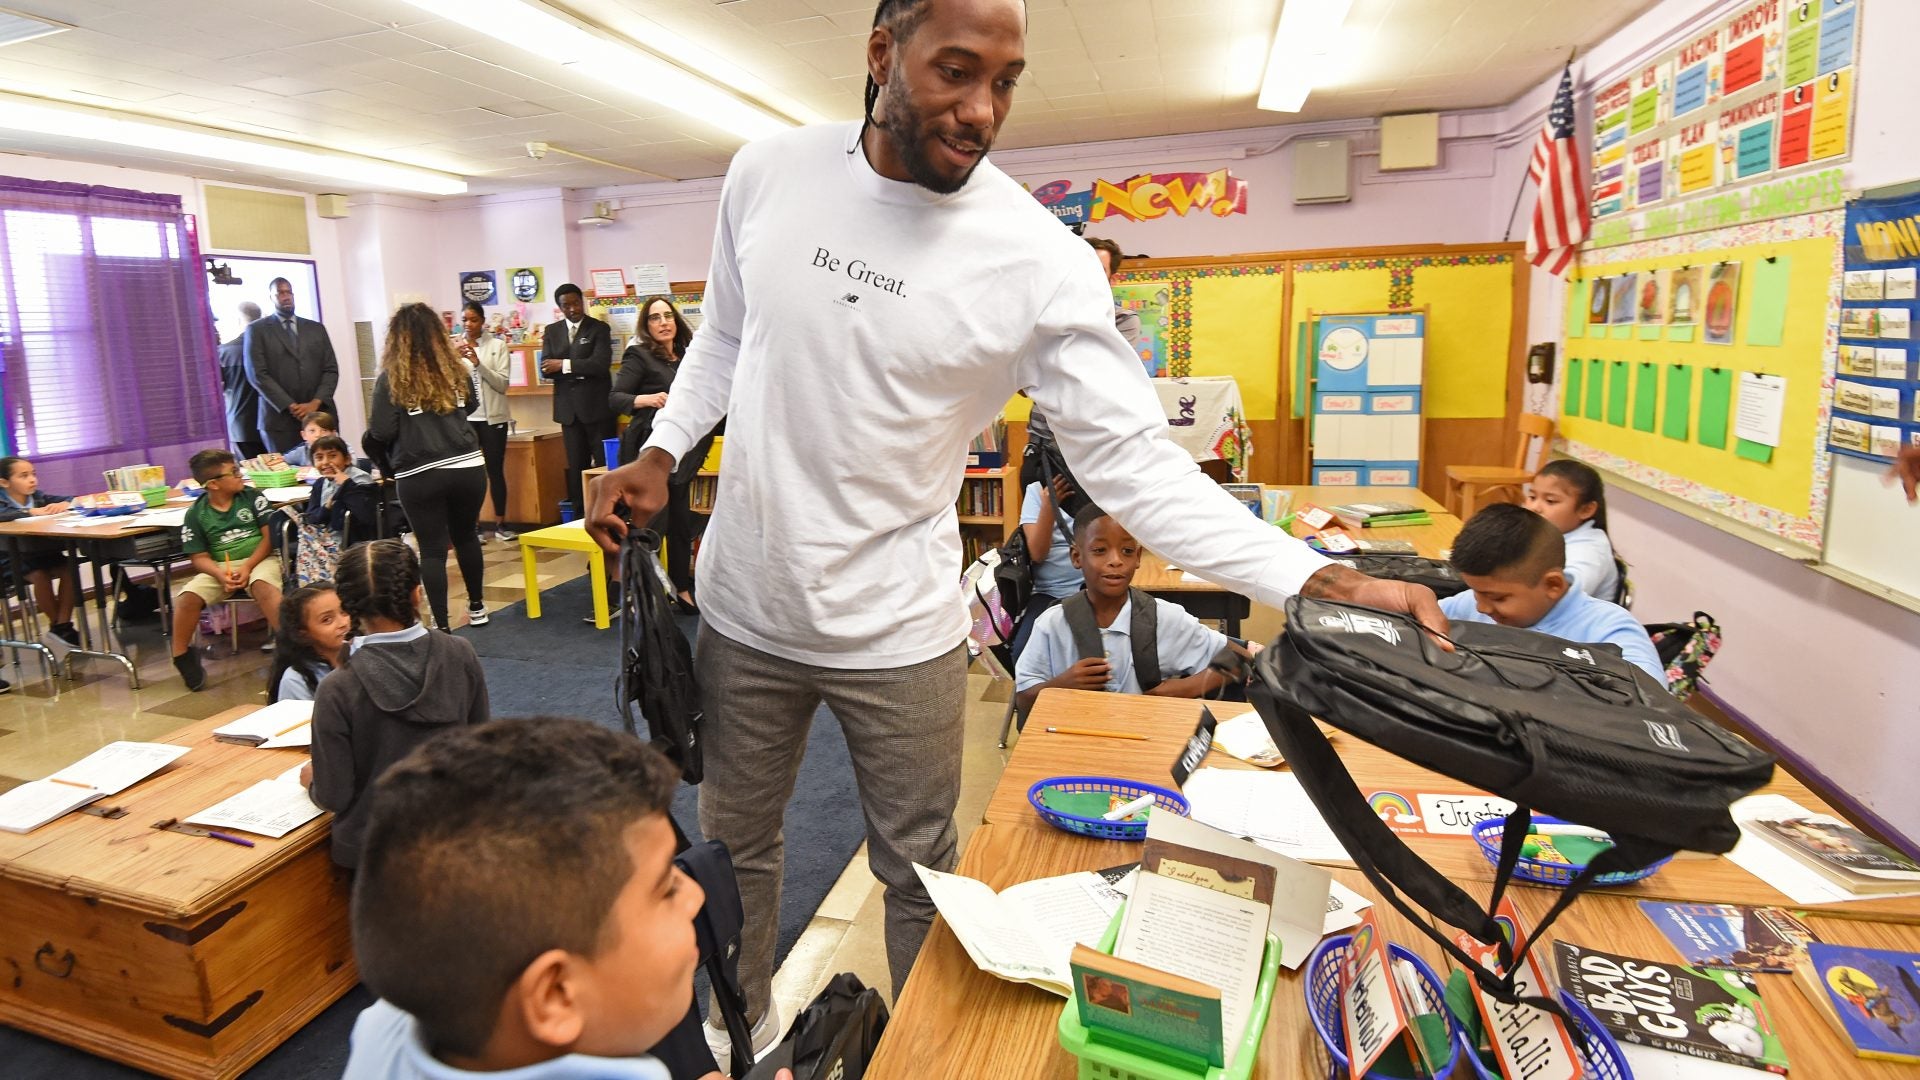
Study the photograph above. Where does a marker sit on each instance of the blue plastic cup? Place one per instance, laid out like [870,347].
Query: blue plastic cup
[567,511]
[612,451]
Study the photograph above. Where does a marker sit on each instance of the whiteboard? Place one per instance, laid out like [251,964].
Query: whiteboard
[1871,531]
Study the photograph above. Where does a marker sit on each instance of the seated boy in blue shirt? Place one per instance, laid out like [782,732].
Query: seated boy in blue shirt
[1514,562]
[517,908]
[1104,653]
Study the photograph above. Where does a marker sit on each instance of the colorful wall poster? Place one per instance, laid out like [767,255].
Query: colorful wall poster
[1651,307]
[524,283]
[1146,197]
[1620,301]
[1150,302]
[1722,303]
[478,287]
[1597,301]
[1684,296]
[1876,407]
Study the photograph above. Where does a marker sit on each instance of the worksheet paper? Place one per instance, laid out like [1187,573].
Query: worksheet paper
[1271,809]
[1763,399]
[33,804]
[1025,933]
[281,724]
[1800,882]
[119,765]
[1194,932]
[270,808]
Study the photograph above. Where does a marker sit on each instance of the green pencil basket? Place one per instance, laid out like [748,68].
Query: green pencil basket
[275,478]
[1098,1061]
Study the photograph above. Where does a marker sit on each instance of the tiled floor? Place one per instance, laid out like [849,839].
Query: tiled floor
[43,727]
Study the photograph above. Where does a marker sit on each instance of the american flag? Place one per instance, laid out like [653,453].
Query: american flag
[1560,214]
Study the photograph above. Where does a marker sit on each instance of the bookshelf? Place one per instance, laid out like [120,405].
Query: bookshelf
[988,505]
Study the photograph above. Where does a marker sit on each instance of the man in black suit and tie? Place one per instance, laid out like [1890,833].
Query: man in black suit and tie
[243,401]
[577,355]
[290,363]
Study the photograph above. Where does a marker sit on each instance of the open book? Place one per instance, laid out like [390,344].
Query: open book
[107,771]
[1026,932]
[273,807]
[281,724]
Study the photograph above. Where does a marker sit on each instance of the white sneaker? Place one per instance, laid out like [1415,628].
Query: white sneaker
[477,616]
[765,1034]
[501,534]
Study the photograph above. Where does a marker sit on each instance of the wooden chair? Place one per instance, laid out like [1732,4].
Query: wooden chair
[1466,484]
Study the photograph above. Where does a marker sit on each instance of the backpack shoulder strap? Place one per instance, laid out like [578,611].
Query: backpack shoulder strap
[1144,628]
[1078,611]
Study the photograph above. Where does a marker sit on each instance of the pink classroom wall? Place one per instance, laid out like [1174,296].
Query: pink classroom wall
[1818,666]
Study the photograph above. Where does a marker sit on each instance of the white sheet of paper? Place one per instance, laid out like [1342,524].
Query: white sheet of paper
[1061,912]
[1300,890]
[269,722]
[1195,932]
[996,942]
[1343,908]
[294,494]
[292,776]
[1801,883]
[270,808]
[33,804]
[650,279]
[1245,737]
[1763,398]
[119,765]
[1271,809]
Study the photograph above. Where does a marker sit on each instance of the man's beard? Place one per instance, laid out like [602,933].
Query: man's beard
[902,125]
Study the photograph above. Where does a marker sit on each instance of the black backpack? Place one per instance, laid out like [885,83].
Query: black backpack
[1143,632]
[1436,574]
[834,1038]
[716,928]
[1570,729]
[656,663]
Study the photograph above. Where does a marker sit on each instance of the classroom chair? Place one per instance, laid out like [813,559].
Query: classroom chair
[1467,484]
[1622,592]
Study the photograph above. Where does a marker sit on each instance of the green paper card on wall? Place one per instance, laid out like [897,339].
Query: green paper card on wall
[1646,396]
[1302,357]
[1596,390]
[1679,402]
[1575,369]
[1620,331]
[1649,331]
[1682,332]
[1577,310]
[1767,305]
[1716,399]
[1617,393]
[1753,451]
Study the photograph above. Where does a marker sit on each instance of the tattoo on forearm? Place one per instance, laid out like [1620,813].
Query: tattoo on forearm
[1332,582]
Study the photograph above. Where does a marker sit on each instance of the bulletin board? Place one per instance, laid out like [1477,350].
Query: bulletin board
[1366,389]
[1654,376]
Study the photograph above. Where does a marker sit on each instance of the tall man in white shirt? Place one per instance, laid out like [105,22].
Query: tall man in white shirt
[877,293]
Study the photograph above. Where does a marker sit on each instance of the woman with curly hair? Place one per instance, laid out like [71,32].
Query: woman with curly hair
[417,429]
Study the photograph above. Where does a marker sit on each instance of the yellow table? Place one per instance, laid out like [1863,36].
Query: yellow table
[569,537]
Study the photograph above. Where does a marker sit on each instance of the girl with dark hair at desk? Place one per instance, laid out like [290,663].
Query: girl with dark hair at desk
[41,561]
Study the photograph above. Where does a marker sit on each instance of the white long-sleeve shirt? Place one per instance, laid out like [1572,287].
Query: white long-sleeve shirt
[858,333]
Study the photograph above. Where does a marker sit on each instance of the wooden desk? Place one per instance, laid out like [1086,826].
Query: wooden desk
[953,1019]
[536,478]
[184,956]
[112,540]
[1169,722]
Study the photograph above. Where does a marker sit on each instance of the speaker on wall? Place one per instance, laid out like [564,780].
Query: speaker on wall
[1320,171]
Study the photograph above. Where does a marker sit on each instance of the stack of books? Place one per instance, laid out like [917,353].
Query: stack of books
[989,449]
[1382,515]
[136,477]
[1655,1010]
[1839,852]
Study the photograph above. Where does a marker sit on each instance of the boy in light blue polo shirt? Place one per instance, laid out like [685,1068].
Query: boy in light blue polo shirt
[518,911]
[1513,561]
[1107,556]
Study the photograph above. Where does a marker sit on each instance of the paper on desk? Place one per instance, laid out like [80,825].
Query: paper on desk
[1301,892]
[1027,932]
[1801,883]
[270,808]
[1271,809]
[166,519]
[1653,1063]
[119,765]
[1245,737]
[281,724]
[1343,908]
[296,493]
[33,804]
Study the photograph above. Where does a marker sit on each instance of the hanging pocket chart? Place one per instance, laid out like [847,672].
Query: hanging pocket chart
[1596,389]
[1577,310]
[1767,302]
[1680,332]
[1646,396]
[1617,393]
[1679,402]
[1716,401]
[1575,369]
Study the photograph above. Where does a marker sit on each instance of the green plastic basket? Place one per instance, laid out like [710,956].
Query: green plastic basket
[1098,1061]
[155,496]
[277,478]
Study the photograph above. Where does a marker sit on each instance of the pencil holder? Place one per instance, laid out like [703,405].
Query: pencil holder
[1164,801]
[1323,1003]
[1487,834]
[1600,1056]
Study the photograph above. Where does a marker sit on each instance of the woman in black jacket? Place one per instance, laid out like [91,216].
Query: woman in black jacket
[418,425]
[647,369]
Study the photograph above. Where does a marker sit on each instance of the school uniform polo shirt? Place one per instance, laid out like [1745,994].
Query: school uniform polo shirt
[1185,645]
[1590,562]
[387,1046]
[1054,575]
[1578,617]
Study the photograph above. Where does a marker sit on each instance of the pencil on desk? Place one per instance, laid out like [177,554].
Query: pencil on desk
[1097,733]
[295,727]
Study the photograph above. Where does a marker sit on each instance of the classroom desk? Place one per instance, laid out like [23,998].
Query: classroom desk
[177,954]
[1168,722]
[952,1019]
[110,541]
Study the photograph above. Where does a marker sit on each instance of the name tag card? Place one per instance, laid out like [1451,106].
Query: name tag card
[1529,1042]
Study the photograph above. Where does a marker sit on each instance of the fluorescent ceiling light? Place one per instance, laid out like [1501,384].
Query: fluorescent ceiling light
[540,32]
[39,117]
[18,26]
[1303,52]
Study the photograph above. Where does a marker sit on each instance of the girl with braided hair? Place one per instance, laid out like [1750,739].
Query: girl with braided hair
[398,685]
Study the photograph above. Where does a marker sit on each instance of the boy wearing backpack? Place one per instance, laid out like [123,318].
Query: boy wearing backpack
[1111,636]
[1514,562]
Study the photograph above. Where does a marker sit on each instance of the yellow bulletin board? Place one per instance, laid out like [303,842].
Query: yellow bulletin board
[1655,417]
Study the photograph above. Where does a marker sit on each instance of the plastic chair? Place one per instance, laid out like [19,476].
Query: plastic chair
[1467,484]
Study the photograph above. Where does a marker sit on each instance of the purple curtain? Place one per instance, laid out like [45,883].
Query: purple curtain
[107,350]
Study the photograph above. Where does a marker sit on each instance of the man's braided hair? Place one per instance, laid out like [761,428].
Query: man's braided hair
[902,18]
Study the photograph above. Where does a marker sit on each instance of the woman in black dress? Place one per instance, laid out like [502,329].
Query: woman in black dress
[646,373]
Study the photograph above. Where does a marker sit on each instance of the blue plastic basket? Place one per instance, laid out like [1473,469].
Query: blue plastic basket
[1323,1002]
[109,511]
[1487,834]
[1600,1059]
[1129,790]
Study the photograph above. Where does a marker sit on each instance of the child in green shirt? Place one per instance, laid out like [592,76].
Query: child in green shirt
[228,537]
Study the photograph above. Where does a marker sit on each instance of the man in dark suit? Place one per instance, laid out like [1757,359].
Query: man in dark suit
[243,401]
[577,355]
[290,363]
